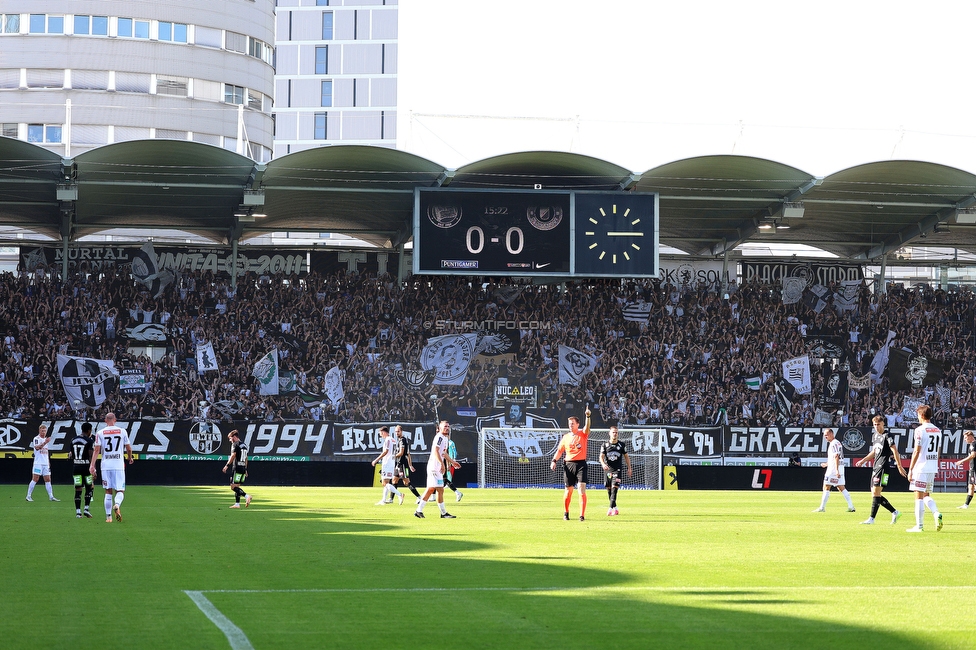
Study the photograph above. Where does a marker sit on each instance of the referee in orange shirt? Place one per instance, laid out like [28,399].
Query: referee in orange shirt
[573,444]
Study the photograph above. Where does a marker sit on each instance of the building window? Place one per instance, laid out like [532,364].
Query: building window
[321,126]
[175,86]
[321,3]
[82,25]
[99,26]
[174,32]
[322,60]
[43,133]
[326,93]
[55,24]
[38,23]
[233,94]
[10,24]
[9,129]
[327,26]
[130,28]
[235,42]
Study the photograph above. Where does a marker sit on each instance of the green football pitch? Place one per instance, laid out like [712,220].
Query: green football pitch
[324,567]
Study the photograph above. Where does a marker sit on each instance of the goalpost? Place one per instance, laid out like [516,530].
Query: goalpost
[515,457]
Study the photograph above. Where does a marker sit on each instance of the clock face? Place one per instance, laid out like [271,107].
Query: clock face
[616,234]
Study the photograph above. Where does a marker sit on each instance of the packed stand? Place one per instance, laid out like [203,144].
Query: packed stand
[687,365]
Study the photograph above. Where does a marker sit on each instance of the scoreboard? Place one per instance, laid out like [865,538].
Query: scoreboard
[541,233]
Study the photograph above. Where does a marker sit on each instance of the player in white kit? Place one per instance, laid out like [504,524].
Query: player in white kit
[42,464]
[438,463]
[834,477]
[924,465]
[388,468]
[110,441]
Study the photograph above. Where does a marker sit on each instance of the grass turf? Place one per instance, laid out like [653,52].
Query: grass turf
[324,567]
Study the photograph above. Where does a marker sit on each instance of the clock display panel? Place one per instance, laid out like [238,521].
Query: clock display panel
[540,233]
[616,234]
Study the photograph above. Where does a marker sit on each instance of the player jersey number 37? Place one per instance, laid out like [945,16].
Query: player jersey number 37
[113,441]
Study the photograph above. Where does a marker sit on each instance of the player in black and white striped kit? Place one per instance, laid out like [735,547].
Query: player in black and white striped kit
[613,454]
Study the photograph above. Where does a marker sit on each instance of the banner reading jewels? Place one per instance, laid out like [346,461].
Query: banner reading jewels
[183,440]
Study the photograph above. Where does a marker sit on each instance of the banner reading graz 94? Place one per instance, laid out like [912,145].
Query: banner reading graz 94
[183,440]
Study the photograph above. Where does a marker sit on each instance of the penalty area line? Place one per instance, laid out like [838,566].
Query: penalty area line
[235,635]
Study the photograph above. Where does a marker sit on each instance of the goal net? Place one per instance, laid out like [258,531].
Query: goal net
[520,457]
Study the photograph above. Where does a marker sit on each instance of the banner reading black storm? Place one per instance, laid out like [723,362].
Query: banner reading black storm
[774,272]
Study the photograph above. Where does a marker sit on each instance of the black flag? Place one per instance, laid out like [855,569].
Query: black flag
[908,370]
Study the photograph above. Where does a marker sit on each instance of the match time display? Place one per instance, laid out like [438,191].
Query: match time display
[592,234]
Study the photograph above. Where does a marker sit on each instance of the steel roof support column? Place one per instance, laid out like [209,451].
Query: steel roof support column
[401,264]
[882,288]
[233,264]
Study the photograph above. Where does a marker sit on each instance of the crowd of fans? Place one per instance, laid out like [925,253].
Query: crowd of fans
[688,364]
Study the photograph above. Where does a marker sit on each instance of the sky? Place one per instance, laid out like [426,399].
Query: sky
[819,86]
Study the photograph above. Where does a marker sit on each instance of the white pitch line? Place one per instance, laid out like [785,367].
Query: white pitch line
[367,590]
[235,635]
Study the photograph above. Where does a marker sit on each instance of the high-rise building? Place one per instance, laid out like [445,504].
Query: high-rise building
[261,77]
[336,73]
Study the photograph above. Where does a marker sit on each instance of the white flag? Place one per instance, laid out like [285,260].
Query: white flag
[449,357]
[797,372]
[880,361]
[846,298]
[206,360]
[87,382]
[793,290]
[333,385]
[266,370]
[145,270]
[753,383]
[573,364]
[638,312]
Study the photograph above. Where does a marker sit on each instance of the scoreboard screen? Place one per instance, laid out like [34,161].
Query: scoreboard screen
[555,233]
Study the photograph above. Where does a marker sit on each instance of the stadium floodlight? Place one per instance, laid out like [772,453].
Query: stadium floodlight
[793,210]
[966,216]
[253,197]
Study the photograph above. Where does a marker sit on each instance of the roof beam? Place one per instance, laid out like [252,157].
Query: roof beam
[749,227]
[922,227]
[628,183]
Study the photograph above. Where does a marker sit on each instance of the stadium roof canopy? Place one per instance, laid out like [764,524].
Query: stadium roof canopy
[709,205]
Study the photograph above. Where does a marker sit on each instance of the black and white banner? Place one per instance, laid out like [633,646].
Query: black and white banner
[820,273]
[87,382]
[218,260]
